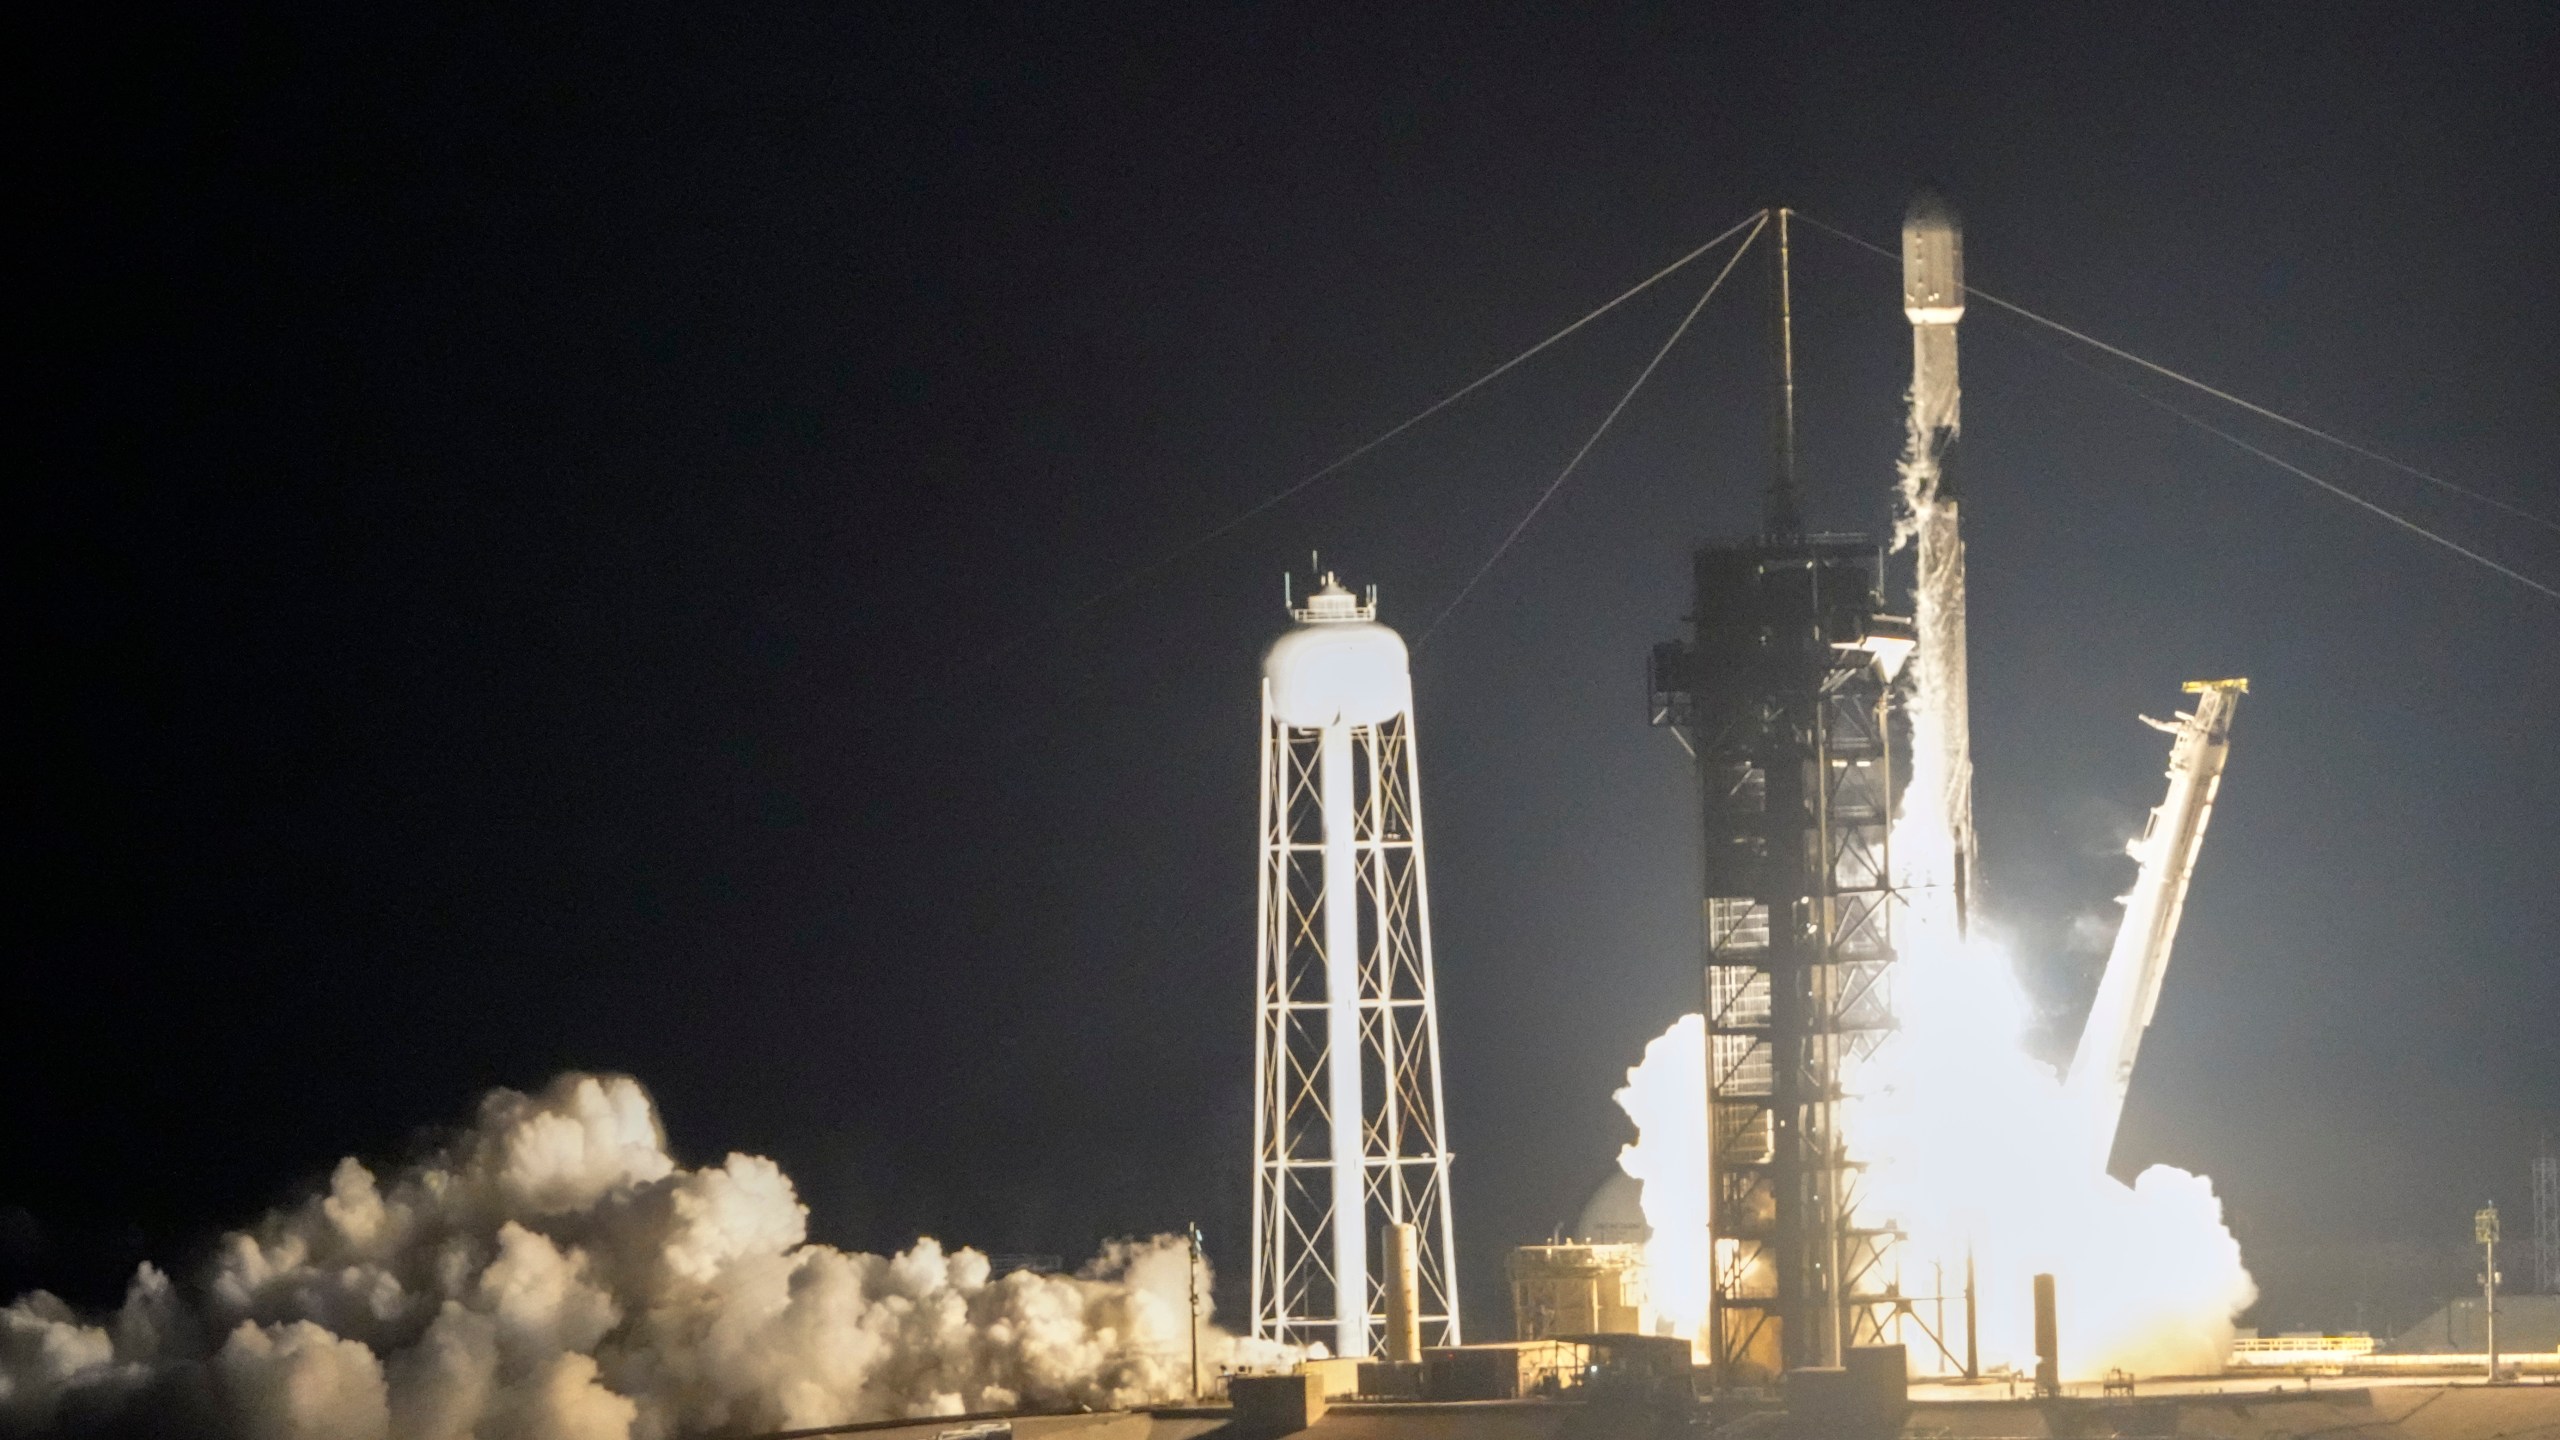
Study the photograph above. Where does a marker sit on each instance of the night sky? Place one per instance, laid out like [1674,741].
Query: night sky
[559,540]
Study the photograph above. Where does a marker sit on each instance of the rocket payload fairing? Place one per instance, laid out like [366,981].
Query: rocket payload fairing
[1942,758]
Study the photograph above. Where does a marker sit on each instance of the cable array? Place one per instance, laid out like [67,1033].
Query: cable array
[1135,574]
[2199,422]
[2342,492]
[1753,224]
[1606,421]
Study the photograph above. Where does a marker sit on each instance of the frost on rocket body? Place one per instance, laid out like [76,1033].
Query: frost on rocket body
[552,1274]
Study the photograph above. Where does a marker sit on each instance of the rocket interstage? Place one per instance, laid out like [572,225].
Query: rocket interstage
[1941,781]
[1349,1137]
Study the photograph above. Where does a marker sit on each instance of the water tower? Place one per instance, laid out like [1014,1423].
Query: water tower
[1350,1143]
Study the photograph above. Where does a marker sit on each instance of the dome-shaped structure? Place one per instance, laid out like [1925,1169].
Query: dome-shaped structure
[1614,1215]
[1348,672]
[1339,666]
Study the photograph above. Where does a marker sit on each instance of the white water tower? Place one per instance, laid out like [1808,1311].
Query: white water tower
[1349,1135]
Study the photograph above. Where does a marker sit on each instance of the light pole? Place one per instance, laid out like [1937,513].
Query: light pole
[2484,1228]
[1195,1310]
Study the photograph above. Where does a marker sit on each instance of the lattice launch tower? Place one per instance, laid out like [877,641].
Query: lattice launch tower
[1783,693]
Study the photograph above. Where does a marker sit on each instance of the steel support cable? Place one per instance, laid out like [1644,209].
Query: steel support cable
[1132,576]
[1610,419]
[2413,527]
[2217,393]
[2226,436]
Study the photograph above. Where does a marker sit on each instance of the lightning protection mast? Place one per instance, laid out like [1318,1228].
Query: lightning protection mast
[2546,1219]
[1349,1136]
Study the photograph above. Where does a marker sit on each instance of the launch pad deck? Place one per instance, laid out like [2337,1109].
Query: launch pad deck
[2232,1408]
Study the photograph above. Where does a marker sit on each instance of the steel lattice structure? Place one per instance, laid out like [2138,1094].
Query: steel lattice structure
[1784,694]
[1341,1150]
[1783,700]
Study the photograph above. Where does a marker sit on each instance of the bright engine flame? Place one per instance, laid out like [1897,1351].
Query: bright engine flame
[1965,1143]
[1965,1140]
[1961,1133]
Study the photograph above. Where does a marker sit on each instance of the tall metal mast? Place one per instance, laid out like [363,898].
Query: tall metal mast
[1783,518]
[2546,1219]
[1349,1136]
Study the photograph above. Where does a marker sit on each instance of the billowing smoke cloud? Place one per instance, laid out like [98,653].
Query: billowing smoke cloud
[552,1274]
[1666,1097]
[1957,1130]
[1965,1138]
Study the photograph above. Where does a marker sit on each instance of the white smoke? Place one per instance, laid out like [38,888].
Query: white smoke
[1964,1136]
[1956,1126]
[552,1274]
[1666,1097]
[1965,1143]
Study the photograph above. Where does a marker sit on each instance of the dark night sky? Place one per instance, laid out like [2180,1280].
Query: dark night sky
[552,538]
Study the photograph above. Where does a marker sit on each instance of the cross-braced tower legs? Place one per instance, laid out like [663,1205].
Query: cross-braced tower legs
[1348,1120]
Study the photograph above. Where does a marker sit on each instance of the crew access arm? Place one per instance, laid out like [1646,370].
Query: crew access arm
[2102,1067]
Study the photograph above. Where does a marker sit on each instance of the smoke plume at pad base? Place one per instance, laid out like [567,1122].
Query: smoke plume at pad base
[552,1272]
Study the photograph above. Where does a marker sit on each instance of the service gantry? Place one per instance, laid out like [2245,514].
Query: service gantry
[1782,693]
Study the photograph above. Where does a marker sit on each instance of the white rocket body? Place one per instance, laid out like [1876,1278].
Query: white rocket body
[1937,858]
[1933,298]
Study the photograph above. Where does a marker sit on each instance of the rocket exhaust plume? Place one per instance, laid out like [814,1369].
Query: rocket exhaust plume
[553,1274]
[1962,1133]
[1666,1097]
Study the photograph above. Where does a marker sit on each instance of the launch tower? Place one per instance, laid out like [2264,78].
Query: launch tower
[1782,695]
[1349,1136]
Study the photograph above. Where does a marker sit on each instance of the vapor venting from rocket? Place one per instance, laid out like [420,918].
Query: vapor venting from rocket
[553,1274]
